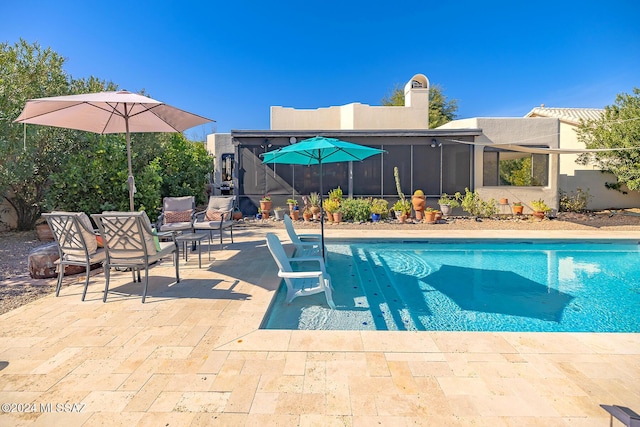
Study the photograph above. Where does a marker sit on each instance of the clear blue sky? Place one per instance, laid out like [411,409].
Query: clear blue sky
[231,60]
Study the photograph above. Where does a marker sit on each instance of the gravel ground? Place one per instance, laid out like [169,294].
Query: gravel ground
[17,288]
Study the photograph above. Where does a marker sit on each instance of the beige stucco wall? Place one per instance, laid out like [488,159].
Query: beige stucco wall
[219,144]
[413,115]
[519,131]
[8,218]
[587,177]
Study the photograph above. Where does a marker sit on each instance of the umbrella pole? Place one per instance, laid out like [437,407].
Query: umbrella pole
[130,181]
[321,213]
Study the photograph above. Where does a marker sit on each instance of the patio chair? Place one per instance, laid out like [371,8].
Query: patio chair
[77,243]
[306,244]
[300,283]
[625,415]
[129,242]
[177,214]
[217,217]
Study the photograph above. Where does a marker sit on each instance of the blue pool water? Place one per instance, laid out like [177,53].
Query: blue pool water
[448,285]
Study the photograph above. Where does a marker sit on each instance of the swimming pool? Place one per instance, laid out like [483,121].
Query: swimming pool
[478,285]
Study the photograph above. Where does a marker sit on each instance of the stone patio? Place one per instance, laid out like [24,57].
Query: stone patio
[193,355]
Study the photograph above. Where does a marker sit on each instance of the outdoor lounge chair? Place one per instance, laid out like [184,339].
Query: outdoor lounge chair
[300,283]
[306,244]
[77,243]
[129,242]
[217,217]
[177,214]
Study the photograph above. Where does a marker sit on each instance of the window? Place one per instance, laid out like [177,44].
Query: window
[514,168]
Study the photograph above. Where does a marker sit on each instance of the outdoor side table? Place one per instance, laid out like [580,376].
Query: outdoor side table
[192,238]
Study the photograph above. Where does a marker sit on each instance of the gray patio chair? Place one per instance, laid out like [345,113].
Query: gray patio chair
[129,242]
[77,243]
[217,217]
[177,214]
[300,283]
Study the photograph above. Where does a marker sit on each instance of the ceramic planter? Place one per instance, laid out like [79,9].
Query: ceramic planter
[517,209]
[337,217]
[265,205]
[418,203]
[446,210]
[430,217]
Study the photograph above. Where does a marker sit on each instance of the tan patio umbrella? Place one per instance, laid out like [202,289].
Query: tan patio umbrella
[109,112]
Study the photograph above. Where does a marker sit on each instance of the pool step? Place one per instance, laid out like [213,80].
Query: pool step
[387,307]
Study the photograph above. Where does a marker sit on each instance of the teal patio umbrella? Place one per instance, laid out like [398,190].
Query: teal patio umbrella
[317,151]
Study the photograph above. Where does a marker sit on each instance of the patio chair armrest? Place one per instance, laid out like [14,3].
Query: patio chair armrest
[317,259]
[299,274]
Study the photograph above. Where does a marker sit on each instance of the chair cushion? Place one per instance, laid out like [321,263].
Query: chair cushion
[178,203]
[215,215]
[177,216]
[218,203]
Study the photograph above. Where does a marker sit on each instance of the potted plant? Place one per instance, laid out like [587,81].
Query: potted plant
[379,207]
[337,215]
[540,208]
[518,208]
[330,206]
[314,202]
[292,203]
[429,215]
[418,201]
[402,209]
[279,212]
[295,213]
[265,203]
[447,203]
[306,214]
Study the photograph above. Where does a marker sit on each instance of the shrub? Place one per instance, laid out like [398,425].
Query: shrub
[380,206]
[575,201]
[475,206]
[356,209]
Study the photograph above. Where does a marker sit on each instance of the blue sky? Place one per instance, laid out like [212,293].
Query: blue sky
[230,61]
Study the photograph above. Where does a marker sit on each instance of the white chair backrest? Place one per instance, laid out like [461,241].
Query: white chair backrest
[293,236]
[278,253]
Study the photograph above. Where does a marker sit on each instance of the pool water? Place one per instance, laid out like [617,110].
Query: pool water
[488,285]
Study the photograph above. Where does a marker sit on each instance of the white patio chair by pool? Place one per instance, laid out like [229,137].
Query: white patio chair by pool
[129,242]
[77,243]
[300,283]
[306,244]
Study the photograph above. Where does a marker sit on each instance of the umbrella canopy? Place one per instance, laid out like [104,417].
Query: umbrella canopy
[317,151]
[109,112]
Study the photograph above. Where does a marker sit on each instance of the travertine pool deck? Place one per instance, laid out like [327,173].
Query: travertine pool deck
[193,355]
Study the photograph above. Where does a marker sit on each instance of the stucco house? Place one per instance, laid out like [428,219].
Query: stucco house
[468,153]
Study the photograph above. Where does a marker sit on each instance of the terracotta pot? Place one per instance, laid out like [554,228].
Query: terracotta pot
[438,216]
[295,215]
[504,201]
[265,214]
[237,215]
[430,217]
[402,218]
[265,205]
[538,214]
[315,210]
[517,210]
[337,217]
[307,216]
[44,232]
[418,203]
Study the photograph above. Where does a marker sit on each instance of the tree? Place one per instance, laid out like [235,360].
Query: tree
[27,159]
[619,127]
[441,110]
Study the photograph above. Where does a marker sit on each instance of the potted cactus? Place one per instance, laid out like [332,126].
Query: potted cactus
[418,201]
